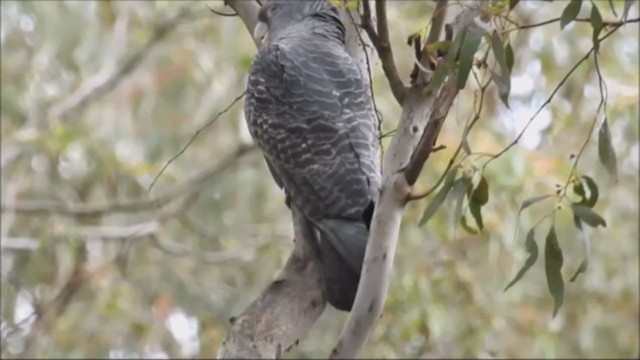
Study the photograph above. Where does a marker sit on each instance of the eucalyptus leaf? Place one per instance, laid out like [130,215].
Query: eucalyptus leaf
[606,153]
[467,54]
[593,191]
[627,7]
[553,261]
[570,13]
[532,249]
[434,205]
[476,212]
[587,215]
[596,24]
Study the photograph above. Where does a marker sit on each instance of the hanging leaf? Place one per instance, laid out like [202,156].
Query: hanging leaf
[480,194]
[512,4]
[476,212]
[508,54]
[596,24]
[627,7]
[592,199]
[532,250]
[467,53]
[586,247]
[441,73]
[466,227]
[552,265]
[613,8]
[606,153]
[587,215]
[578,189]
[498,52]
[503,83]
[570,13]
[532,200]
[465,145]
[458,191]
[434,205]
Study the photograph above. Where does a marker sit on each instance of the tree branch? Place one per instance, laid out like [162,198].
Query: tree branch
[383,47]
[422,116]
[96,87]
[286,309]
[188,187]
[290,305]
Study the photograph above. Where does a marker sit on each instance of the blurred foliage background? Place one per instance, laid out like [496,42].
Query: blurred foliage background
[98,95]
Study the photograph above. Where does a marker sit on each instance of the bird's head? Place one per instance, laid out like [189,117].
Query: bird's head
[276,16]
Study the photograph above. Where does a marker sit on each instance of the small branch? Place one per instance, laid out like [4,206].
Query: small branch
[437,22]
[193,138]
[383,46]
[97,87]
[188,187]
[248,12]
[551,21]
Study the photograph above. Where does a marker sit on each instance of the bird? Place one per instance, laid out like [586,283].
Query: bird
[310,110]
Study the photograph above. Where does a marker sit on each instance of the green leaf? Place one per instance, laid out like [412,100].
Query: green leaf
[466,227]
[480,194]
[476,212]
[532,200]
[512,4]
[467,53]
[508,53]
[570,13]
[441,73]
[552,265]
[503,83]
[578,189]
[606,153]
[596,24]
[593,191]
[465,145]
[434,205]
[458,191]
[627,7]
[532,249]
[586,246]
[613,8]
[498,52]
[587,215]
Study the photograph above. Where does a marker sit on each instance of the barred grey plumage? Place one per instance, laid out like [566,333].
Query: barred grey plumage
[310,110]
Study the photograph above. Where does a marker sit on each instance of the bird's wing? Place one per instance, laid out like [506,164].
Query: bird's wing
[309,110]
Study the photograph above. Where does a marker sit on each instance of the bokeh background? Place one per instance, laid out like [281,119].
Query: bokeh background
[98,95]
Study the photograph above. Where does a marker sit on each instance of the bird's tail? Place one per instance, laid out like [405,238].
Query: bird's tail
[342,247]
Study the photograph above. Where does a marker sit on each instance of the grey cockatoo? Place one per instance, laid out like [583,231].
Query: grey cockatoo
[310,110]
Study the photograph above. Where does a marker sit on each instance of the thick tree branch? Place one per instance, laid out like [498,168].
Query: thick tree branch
[286,309]
[422,116]
[289,306]
[381,42]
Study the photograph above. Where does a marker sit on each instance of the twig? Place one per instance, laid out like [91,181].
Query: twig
[551,21]
[193,138]
[551,96]
[190,186]
[381,42]
[96,88]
